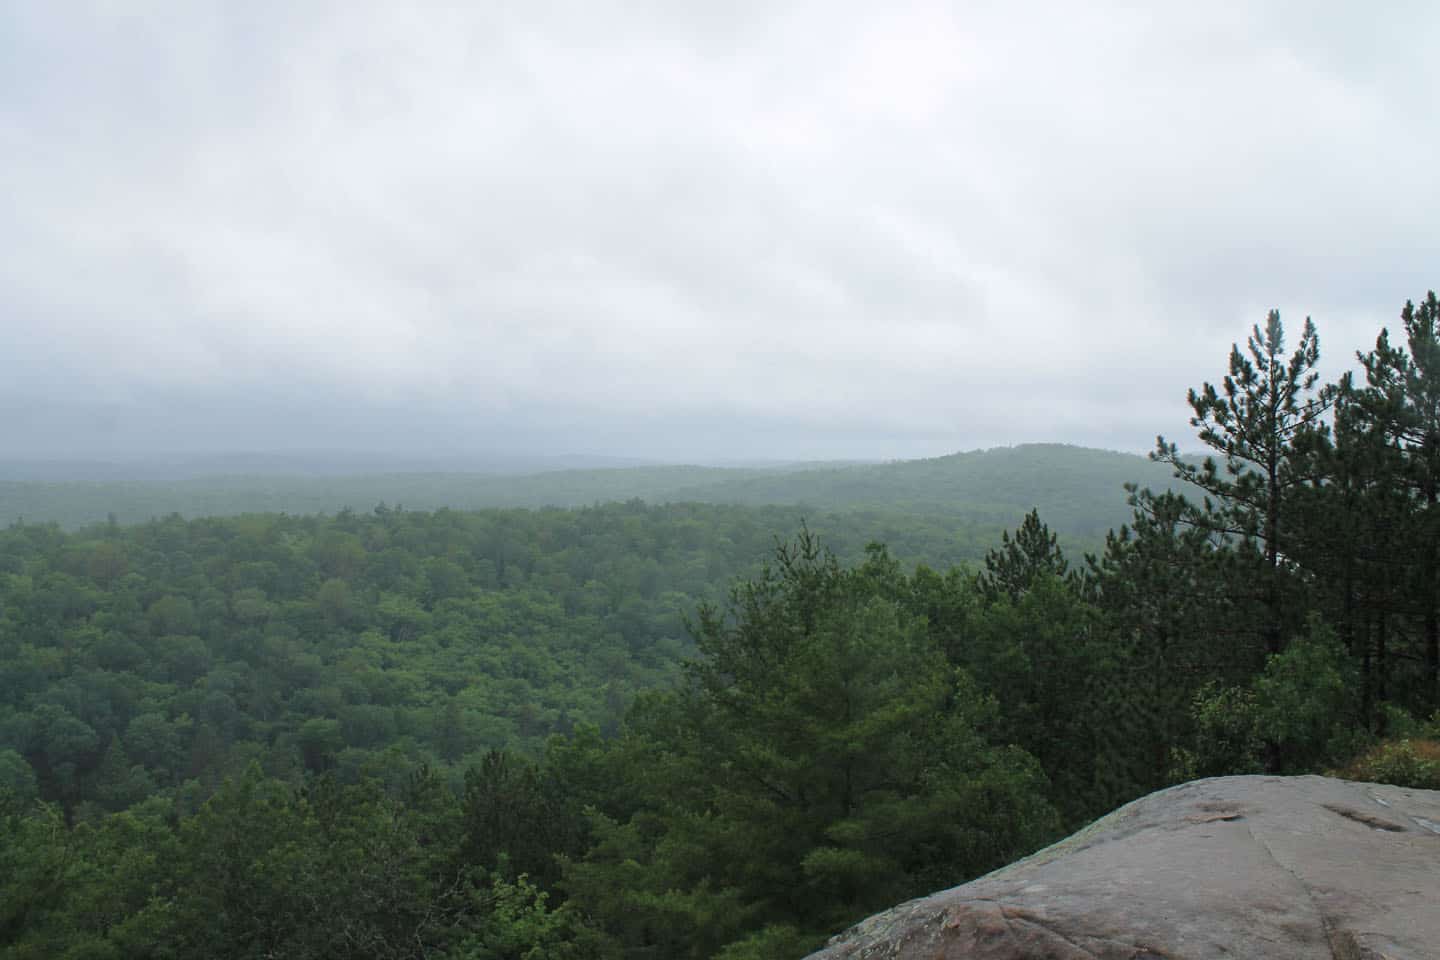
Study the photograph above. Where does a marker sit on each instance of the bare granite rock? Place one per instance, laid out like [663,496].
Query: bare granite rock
[1285,868]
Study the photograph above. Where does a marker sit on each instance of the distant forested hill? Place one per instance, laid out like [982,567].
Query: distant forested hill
[1077,490]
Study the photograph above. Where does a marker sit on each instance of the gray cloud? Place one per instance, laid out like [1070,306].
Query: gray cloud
[688,230]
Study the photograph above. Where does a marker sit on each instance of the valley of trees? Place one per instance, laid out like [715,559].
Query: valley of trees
[690,730]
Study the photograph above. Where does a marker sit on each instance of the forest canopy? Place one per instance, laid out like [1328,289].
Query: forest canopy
[685,730]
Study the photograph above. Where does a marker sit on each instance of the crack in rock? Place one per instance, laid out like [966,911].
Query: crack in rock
[1342,943]
[1368,819]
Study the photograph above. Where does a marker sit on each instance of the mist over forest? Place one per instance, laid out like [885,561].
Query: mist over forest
[641,481]
[697,711]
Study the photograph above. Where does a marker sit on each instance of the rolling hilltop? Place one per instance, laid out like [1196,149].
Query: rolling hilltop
[1077,490]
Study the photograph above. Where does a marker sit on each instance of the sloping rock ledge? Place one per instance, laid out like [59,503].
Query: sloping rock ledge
[1287,868]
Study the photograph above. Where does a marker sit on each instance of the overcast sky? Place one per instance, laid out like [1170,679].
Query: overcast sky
[689,229]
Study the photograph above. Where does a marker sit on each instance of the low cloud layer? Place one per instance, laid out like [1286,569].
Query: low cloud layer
[688,231]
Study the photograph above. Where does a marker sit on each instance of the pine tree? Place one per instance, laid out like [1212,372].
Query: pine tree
[1266,405]
[1011,569]
[1347,535]
[822,759]
[1172,621]
[1398,412]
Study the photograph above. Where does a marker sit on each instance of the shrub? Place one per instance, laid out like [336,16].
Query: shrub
[1404,763]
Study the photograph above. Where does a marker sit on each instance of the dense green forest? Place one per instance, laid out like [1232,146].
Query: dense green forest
[699,730]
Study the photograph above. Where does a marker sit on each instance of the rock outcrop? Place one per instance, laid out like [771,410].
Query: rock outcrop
[1256,868]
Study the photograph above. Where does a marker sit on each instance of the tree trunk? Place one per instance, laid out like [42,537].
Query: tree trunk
[1432,616]
[1272,553]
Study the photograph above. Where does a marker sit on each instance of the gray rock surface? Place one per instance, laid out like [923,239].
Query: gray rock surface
[1289,868]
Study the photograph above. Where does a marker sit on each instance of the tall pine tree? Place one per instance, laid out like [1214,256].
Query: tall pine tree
[1398,410]
[1256,421]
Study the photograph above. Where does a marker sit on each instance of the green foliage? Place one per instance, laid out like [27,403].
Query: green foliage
[1013,568]
[1227,737]
[1404,763]
[822,760]
[772,942]
[17,780]
[518,925]
[1394,427]
[316,662]
[1171,625]
[545,735]
[1261,422]
[262,869]
[317,644]
[518,817]
[1294,716]
[327,871]
[36,863]
[1042,656]
[1305,699]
